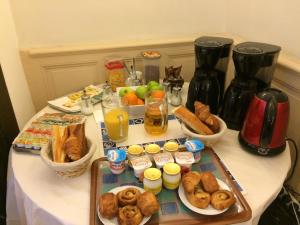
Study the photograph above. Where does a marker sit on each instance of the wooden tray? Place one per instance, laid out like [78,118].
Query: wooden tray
[238,213]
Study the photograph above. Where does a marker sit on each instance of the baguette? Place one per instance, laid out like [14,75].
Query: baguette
[60,135]
[191,120]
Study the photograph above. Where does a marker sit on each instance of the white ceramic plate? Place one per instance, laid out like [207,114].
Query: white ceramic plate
[59,104]
[114,221]
[209,210]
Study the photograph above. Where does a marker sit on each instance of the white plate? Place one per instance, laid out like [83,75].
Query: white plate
[59,104]
[209,210]
[114,221]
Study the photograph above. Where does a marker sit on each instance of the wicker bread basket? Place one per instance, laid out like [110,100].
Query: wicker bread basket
[69,169]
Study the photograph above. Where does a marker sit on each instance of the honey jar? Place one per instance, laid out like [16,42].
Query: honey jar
[171,175]
[152,180]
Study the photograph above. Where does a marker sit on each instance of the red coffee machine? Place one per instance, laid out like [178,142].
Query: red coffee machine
[265,126]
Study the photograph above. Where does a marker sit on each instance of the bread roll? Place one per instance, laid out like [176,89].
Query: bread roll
[209,182]
[108,205]
[147,203]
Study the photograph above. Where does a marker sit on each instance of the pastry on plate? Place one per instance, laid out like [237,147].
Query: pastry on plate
[108,205]
[209,182]
[128,196]
[190,180]
[147,203]
[198,198]
[129,215]
[222,199]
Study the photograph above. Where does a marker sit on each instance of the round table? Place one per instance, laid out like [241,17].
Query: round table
[38,196]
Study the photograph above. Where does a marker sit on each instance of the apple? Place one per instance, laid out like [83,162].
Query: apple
[123,91]
[156,87]
[141,91]
[152,83]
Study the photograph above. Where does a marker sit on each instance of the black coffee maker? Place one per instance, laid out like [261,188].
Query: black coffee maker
[211,60]
[254,67]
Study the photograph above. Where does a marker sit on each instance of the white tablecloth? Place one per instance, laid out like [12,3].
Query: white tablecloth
[37,196]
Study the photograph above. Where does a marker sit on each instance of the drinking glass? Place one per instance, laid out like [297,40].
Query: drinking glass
[116,120]
[156,112]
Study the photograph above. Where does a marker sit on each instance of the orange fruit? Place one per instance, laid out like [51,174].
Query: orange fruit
[158,94]
[140,101]
[130,99]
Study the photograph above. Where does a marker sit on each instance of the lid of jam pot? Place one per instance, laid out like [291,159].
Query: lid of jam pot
[171,168]
[152,174]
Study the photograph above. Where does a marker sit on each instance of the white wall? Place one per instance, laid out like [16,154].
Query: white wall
[58,22]
[268,21]
[12,68]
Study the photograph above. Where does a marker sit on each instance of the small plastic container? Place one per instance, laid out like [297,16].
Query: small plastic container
[171,175]
[115,73]
[116,160]
[140,164]
[171,147]
[195,147]
[162,158]
[134,151]
[185,160]
[151,150]
[151,61]
[152,180]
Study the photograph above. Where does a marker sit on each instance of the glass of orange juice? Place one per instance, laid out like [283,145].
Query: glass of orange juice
[116,120]
[156,112]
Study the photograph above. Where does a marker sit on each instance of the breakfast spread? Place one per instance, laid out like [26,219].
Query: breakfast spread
[128,205]
[202,189]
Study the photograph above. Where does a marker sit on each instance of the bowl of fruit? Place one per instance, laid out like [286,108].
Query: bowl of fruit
[134,97]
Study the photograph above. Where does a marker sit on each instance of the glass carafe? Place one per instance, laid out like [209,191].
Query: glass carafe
[156,112]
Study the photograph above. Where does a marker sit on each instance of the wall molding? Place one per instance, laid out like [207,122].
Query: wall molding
[39,61]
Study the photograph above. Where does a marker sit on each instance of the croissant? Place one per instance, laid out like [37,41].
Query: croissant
[190,180]
[203,113]
[129,215]
[108,205]
[147,203]
[199,198]
[209,182]
[128,196]
[222,199]
[76,146]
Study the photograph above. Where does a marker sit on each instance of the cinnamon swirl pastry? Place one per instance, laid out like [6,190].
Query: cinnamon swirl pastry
[129,215]
[209,182]
[108,205]
[198,198]
[222,199]
[128,196]
[148,203]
